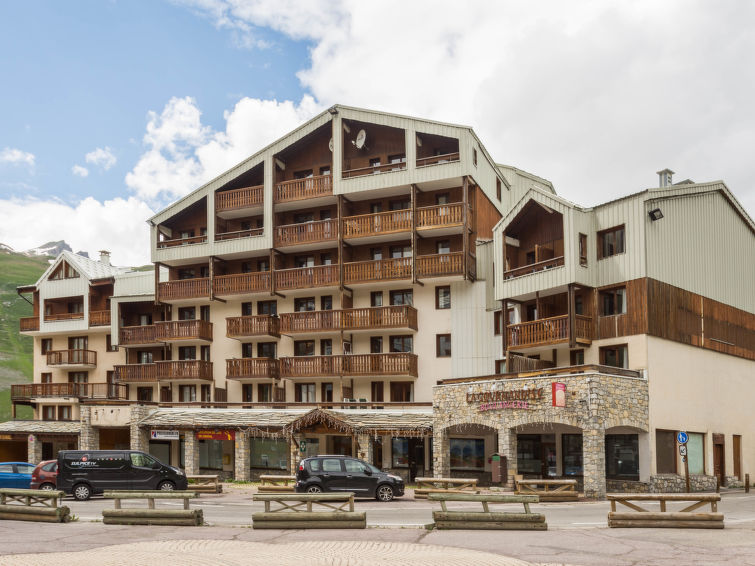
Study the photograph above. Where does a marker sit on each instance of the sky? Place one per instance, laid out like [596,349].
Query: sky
[110,110]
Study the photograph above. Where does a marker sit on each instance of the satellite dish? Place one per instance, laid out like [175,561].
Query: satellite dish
[361,139]
[330,145]
[419,141]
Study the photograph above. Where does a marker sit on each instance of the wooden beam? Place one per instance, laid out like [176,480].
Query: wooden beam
[340,242]
[272,272]
[465,241]
[572,324]
[413,217]
[157,283]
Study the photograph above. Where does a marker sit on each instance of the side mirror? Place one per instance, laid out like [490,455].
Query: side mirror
[156,466]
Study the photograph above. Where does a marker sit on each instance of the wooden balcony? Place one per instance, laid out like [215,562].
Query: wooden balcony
[374,170]
[306,277]
[136,373]
[549,331]
[437,159]
[247,197]
[516,364]
[250,368]
[379,223]
[306,233]
[137,335]
[350,365]
[238,234]
[440,215]
[534,267]
[180,330]
[377,270]
[184,369]
[370,318]
[81,390]
[300,189]
[182,289]
[64,316]
[99,318]
[182,242]
[72,358]
[261,325]
[28,324]
[437,265]
[242,283]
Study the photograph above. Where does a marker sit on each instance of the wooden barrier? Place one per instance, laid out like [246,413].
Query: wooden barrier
[680,519]
[487,519]
[548,490]
[152,516]
[205,484]
[33,505]
[426,486]
[276,484]
[295,511]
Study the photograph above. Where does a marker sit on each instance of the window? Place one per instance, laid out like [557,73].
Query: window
[45,345]
[695,453]
[326,392]
[141,460]
[204,313]
[467,453]
[187,393]
[577,358]
[326,347]
[78,377]
[109,344]
[398,160]
[622,457]
[326,259]
[247,390]
[301,261]
[400,452]
[474,157]
[443,297]
[376,207]
[304,348]
[205,393]
[187,352]
[376,299]
[401,297]
[46,378]
[246,309]
[498,189]
[613,301]
[204,271]
[264,393]
[611,242]
[615,356]
[246,350]
[583,249]
[304,174]
[64,413]
[441,199]
[376,254]
[267,307]
[399,205]
[401,251]
[145,319]
[48,414]
[326,302]
[78,343]
[571,450]
[144,357]
[303,304]
[401,343]
[266,349]
[497,322]
[376,344]
[246,267]
[443,246]
[579,306]
[401,392]
[204,351]
[375,162]
[665,451]
[187,313]
[443,345]
[303,217]
[263,265]
[304,392]
[186,273]
[268,453]
[144,394]
[376,391]
[325,170]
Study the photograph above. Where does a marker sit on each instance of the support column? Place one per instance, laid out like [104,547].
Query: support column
[441,454]
[34,455]
[594,459]
[294,454]
[507,448]
[89,437]
[242,455]
[364,447]
[191,453]
[139,436]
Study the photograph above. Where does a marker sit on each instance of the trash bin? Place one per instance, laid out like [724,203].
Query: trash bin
[498,469]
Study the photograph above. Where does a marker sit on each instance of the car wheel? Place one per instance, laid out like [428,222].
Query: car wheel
[47,487]
[384,493]
[166,486]
[314,489]
[82,492]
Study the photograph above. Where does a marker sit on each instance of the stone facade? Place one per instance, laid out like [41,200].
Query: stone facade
[139,435]
[674,483]
[34,449]
[241,458]
[89,437]
[191,453]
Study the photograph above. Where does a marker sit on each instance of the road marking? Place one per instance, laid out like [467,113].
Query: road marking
[598,523]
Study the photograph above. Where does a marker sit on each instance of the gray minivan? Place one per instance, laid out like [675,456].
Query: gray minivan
[86,472]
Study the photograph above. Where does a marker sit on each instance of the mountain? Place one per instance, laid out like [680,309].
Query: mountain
[50,249]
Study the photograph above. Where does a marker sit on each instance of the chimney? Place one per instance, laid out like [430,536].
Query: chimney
[105,257]
[665,178]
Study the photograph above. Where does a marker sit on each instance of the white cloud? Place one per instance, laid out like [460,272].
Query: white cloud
[16,156]
[80,171]
[118,225]
[101,157]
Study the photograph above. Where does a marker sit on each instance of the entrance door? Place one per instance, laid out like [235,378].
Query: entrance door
[718,462]
[548,459]
[416,457]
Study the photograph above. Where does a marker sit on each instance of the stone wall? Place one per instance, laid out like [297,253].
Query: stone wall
[674,483]
[627,486]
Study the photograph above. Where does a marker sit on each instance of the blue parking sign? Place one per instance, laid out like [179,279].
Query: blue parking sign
[682,438]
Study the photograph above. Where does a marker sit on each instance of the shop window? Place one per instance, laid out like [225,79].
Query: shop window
[443,345]
[211,454]
[304,304]
[402,297]
[583,249]
[571,451]
[304,347]
[267,307]
[467,453]
[613,301]
[696,453]
[529,454]
[268,453]
[45,345]
[399,452]
[401,392]
[400,344]
[665,451]
[144,394]
[615,356]
[304,392]
[187,393]
[622,457]
[443,297]
[376,299]
[611,242]
[266,349]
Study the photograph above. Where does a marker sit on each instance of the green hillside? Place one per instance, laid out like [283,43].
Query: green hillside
[15,350]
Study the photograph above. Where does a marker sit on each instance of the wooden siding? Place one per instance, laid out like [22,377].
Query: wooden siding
[486,215]
[635,321]
[137,335]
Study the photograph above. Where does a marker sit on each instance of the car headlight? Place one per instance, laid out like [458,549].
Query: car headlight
[179,471]
[397,478]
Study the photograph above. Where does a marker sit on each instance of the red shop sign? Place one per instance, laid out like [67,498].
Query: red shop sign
[216,435]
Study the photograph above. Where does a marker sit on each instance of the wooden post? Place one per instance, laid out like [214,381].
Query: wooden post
[465,238]
[272,272]
[340,243]
[157,283]
[572,325]
[747,483]
[686,472]
[413,214]
[212,277]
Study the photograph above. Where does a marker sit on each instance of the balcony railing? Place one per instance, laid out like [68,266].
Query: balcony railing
[80,390]
[516,364]
[184,369]
[28,323]
[182,242]
[300,189]
[352,365]
[185,289]
[136,373]
[130,335]
[306,277]
[238,234]
[239,198]
[548,331]
[370,318]
[64,316]
[437,159]
[378,223]
[242,283]
[377,270]
[534,267]
[72,358]
[99,318]
[440,264]
[306,232]
[374,169]
[261,325]
[183,330]
[440,215]
[252,368]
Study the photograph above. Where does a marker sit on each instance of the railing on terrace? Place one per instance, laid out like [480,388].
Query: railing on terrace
[440,215]
[306,277]
[239,198]
[252,368]
[260,325]
[28,323]
[534,267]
[437,159]
[136,373]
[137,335]
[440,264]
[374,169]
[72,357]
[222,236]
[377,270]
[182,242]
[241,283]
[299,189]
[81,390]
[306,232]
[183,330]
[64,316]
[367,318]
[352,365]
[548,331]
[377,223]
[99,318]
[184,369]
[185,289]
[516,364]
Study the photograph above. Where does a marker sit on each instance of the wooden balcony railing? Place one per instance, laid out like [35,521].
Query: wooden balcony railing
[239,234]
[64,316]
[184,369]
[352,365]
[437,159]
[252,368]
[80,390]
[440,264]
[99,318]
[306,232]
[28,323]
[72,358]
[377,270]
[182,242]
[374,169]
[137,335]
[548,331]
[440,215]
[306,277]
[185,289]
[534,267]
[516,364]
[378,223]
[242,283]
[261,325]
[183,330]
[299,189]
[239,198]
[136,373]
[349,319]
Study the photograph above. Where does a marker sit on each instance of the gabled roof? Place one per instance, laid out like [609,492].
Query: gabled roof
[88,268]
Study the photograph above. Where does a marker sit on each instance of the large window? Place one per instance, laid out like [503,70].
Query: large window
[613,301]
[695,453]
[611,242]
[266,349]
[211,454]
[622,457]
[400,452]
[268,453]
[304,348]
[571,450]
[665,451]
[402,297]
[267,307]
[467,453]
[400,343]
[615,356]
[304,392]
[304,304]
[401,392]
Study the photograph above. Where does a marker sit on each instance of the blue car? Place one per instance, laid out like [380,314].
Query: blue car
[16,474]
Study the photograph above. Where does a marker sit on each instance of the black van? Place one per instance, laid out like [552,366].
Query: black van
[85,472]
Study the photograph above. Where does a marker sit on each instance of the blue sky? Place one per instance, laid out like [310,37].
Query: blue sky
[109,110]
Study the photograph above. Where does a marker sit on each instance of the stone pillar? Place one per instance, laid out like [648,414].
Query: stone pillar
[241,470]
[507,448]
[89,437]
[34,455]
[441,454]
[594,460]
[364,447]
[139,435]
[191,453]
[294,454]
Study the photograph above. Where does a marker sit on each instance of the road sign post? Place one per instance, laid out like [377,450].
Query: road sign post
[682,438]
